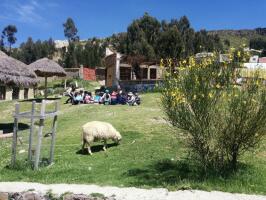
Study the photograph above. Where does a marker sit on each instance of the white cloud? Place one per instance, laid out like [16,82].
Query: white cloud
[28,12]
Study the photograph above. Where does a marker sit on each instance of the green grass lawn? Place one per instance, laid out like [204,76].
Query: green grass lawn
[151,153]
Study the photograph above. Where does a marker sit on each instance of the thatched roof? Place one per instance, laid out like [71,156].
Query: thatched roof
[47,68]
[13,71]
[2,53]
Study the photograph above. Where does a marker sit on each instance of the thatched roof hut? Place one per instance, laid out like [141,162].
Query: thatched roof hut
[47,68]
[14,72]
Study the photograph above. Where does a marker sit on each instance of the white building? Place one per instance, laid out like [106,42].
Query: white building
[61,43]
[256,63]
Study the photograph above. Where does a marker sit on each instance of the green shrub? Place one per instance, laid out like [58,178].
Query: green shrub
[222,120]
[59,90]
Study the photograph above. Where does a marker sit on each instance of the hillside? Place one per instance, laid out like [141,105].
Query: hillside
[239,37]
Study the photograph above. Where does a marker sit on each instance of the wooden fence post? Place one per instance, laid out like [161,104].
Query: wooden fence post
[54,133]
[31,131]
[39,141]
[45,91]
[15,132]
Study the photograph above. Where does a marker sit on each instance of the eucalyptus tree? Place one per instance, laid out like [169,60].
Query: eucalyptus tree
[9,33]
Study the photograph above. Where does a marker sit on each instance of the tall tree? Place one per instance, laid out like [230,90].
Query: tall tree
[183,24]
[150,27]
[138,42]
[148,37]
[201,42]
[176,39]
[28,51]
[119,42]
[31,51]
[70,30]
[50,47]
[170,44]
[9,33]
[2,45]
[93,53]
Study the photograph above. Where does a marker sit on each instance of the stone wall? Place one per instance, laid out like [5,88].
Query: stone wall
[33,195]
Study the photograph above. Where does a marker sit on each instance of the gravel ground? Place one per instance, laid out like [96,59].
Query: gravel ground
[125,193]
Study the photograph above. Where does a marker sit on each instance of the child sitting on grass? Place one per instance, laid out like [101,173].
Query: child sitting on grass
[88,99]
[77,98]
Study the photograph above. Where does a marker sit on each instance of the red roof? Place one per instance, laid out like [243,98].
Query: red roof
[262,60]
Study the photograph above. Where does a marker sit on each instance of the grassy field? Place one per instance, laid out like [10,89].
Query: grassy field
[151,153]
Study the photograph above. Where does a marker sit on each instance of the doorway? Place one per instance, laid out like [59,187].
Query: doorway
[2,92]
[15,93]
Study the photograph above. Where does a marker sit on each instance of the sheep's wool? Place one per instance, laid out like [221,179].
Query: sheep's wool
[95,130]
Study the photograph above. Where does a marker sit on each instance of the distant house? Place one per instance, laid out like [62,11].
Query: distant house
[119,72]
[86,73]
[253,51]
[204,55]
[16,79]
[61,43]
[255,63]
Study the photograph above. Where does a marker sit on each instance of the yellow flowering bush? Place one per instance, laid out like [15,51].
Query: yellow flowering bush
[223,119]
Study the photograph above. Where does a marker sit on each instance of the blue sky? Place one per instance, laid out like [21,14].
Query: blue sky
[42,19]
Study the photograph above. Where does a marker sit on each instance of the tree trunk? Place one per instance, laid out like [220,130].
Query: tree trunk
[234,161]
[234,157]
[9,49]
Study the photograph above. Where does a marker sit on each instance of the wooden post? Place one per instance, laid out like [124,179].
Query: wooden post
[31,131]
[15,132]
[45,85]
[65,85]
[39,141]
[53,133]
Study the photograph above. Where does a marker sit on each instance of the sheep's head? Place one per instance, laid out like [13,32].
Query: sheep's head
[117,138]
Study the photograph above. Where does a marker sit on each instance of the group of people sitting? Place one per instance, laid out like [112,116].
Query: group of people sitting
[102,97]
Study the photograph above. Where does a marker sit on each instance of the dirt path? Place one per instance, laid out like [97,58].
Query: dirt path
[126,193]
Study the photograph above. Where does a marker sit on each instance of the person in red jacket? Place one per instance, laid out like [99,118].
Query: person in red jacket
[114,98]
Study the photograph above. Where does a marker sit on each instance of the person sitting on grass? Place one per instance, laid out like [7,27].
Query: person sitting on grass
[106,98]
[82,95]
[131,100]
[97,97]
[78,98]
[88,99]
[121,98]
[137,98]
[70,93]
[114,98]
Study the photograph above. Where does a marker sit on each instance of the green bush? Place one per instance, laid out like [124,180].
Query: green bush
[221,119]
[59,90]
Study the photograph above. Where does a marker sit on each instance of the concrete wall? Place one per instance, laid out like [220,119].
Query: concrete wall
[255,66]
[21,94]
[8,94]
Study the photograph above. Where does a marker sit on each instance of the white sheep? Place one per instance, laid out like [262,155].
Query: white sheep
[99,131]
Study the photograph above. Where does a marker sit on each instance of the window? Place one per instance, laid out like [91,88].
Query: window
[153,73]
[2,92]
[144,73]
[125,73]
